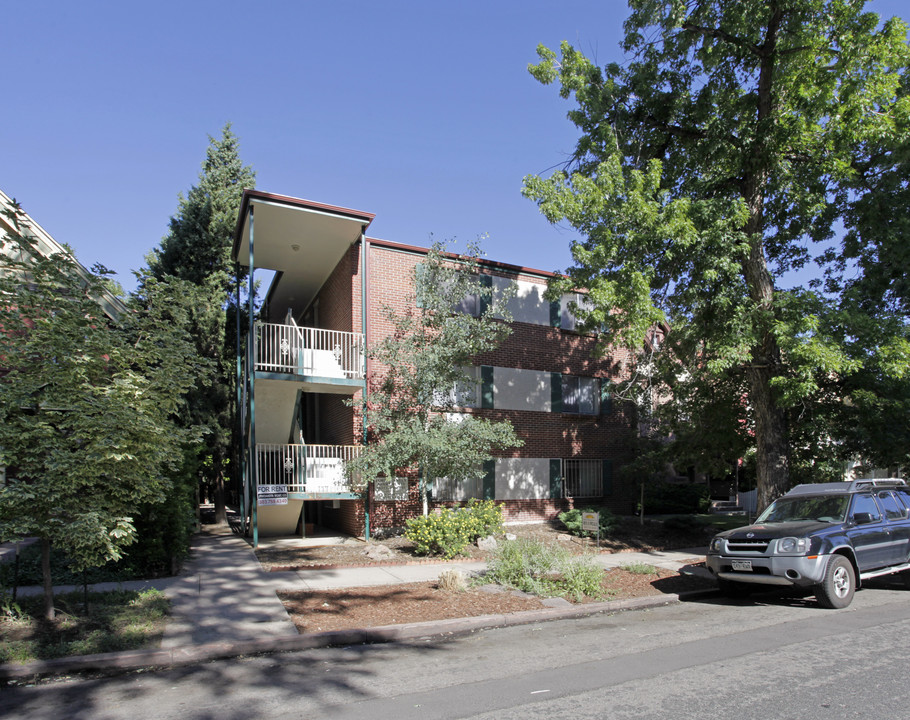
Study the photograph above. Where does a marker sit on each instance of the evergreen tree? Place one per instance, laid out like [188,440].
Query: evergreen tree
[197,249]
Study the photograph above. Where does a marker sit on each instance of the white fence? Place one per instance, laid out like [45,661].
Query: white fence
[749,501]
[305,468]
[309,351]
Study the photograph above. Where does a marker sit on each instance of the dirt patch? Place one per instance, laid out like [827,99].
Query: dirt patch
[364,607]
[630,536]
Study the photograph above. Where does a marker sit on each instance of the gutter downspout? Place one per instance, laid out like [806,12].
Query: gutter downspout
[364,246]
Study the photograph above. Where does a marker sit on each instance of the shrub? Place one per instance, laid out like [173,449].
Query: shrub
[451,581]
[684,525]
[545,570]
[572,520]
[665,498]
[449,532]
[639,568]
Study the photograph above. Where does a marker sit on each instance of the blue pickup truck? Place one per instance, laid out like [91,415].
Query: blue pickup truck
[825,537]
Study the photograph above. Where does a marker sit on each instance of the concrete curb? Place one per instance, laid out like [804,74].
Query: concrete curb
[117,662]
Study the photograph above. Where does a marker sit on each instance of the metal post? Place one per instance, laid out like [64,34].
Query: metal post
[251,346]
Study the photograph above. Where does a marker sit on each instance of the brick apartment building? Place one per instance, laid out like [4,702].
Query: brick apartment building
[303,355]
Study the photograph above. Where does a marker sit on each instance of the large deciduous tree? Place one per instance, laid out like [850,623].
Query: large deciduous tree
[87,408]
[732,147]
[197,249]
[422,377]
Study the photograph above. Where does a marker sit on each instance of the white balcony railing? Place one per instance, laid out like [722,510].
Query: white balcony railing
[309,351]
[305,468]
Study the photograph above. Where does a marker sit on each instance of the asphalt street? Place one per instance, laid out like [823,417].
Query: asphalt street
[774,657]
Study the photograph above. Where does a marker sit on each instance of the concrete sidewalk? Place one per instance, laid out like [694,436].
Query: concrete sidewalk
[223,603]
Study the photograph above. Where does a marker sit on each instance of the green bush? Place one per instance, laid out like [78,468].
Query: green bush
[667,498]
[449,532]
[546,570]
[572,520]
[684,525]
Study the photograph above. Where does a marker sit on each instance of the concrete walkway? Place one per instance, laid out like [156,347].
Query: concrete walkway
[223,603]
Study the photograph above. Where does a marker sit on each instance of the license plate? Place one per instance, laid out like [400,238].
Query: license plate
[742,565]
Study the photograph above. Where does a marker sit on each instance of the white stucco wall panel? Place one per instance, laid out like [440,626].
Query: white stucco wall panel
[522,478]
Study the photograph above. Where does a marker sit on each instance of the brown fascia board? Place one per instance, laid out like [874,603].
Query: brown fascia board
[491,264]
[249,194]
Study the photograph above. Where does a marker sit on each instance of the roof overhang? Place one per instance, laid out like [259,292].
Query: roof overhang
[301,239]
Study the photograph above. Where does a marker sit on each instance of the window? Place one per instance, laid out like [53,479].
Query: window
[893,511]
[580,395]
[390,489]
[446,489]
[866,504]
[583,478]
[464,394]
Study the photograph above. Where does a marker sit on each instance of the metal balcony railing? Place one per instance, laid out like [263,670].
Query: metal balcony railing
[305,468]
[309,351]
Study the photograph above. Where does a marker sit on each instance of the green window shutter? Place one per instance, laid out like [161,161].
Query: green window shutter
[607,477]
[489,480]
[555,314]
[555,478]
[555,392]
[606,398]
[486,387]
[485,299]
[419,281]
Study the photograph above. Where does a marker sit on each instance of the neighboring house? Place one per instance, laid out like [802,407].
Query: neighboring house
[44,244]
[307,356]
[112,306]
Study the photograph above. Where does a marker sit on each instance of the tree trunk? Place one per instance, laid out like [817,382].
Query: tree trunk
[48,581]
[771,433]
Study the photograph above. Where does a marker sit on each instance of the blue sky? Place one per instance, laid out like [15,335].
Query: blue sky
[420,112]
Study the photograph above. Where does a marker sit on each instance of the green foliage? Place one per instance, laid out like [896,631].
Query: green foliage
[423,361]
[731,146]
[661,498]
[117,621]
[450,531]
[639,568]
[545,570]
[684,525]
[572,521]
[87,407]
[193,266]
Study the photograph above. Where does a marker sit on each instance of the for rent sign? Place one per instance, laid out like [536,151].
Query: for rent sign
[272,495]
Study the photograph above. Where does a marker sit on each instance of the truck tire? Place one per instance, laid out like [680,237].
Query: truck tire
[838,585]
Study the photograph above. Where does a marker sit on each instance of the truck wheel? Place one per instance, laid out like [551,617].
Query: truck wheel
[837,587]
[733,589]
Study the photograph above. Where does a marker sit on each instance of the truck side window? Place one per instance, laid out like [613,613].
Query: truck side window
[866,504]
[889,504]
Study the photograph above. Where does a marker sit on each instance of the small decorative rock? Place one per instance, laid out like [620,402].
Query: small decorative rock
[378,552]
[486,543]
[511,536]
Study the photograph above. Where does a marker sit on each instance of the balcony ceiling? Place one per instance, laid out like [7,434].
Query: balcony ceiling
[301,239]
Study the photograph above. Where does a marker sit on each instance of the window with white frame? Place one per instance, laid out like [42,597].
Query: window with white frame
[447,489]
[580,395]
[465,392]
[390,489]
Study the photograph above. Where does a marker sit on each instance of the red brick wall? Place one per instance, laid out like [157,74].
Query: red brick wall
[531,347]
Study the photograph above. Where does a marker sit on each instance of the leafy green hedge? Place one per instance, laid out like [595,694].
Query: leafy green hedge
[572,520]
[666,498]
[450,531]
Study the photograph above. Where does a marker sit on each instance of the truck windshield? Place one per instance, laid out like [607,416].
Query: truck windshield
[824,508]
